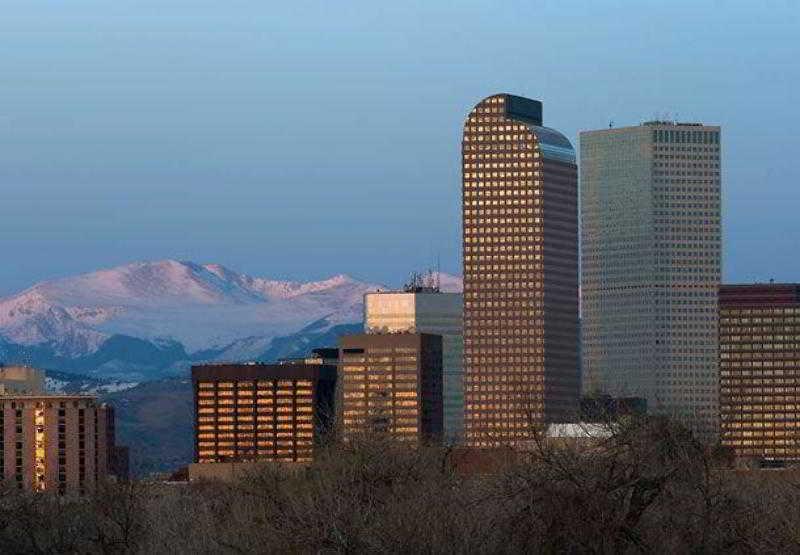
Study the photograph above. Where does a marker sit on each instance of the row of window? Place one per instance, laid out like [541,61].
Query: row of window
[684,136]
[250,384]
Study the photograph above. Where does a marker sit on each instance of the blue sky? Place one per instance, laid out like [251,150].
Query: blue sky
[302,139]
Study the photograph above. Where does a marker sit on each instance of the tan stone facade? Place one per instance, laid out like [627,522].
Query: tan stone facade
[57,443]
[21,380]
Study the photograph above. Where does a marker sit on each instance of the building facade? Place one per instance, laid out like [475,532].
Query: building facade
[428,312]
[651,265]
[262,412]
[17,379]
[391,384]
[520,249]
[759,336]
[54,443]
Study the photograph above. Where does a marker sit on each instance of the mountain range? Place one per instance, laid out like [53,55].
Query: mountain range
[149,320]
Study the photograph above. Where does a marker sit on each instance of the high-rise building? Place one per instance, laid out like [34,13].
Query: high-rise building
[262,412]
[434,312]
[650,220]
[520,239]
[54,443]
[391,384]
[759,371]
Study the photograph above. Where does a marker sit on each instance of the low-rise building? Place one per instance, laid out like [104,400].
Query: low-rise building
[261,412]
[391,384]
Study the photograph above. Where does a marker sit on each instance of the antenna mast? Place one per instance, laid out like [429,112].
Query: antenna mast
[438,272]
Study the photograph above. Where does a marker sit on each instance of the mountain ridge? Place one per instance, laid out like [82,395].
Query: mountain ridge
[155,318]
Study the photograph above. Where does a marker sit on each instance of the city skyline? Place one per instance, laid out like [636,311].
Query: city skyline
[428,276]
[184,144]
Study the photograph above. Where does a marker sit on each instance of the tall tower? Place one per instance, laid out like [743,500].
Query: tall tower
[520,240]
[650,209]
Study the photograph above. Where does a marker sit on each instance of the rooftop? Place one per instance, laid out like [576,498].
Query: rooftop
[672,123]
[580,430]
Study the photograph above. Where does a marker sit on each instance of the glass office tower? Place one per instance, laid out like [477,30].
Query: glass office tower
[520,241]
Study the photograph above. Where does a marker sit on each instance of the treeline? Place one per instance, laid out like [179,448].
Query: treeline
[650,487]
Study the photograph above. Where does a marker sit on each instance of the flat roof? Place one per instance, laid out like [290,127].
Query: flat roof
[767,294]
[644,127]
[263,371]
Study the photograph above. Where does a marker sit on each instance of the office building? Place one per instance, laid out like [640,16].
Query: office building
[520,240]
[16,380]
[262,412]
[650,217]
[759,341]
[391,384]
[54,443]
[427,311]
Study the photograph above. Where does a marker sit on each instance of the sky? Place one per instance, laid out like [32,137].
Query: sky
[303,139]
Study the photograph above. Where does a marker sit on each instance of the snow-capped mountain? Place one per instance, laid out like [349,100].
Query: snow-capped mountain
[198,306]
[170,312]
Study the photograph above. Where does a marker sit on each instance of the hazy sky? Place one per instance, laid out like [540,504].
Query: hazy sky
[301,139]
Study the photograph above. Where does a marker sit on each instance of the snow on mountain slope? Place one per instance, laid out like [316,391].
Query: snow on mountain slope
[198,306]
[201,307]
[272,289]
[31,319]
[146,284]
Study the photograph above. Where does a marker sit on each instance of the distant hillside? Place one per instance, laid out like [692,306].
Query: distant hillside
[66,382]
[155,420]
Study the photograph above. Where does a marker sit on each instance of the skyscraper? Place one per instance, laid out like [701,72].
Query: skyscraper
[650,216]
[520,240]
[427,311]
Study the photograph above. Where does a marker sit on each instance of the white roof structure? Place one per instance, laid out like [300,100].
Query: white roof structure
[580,430]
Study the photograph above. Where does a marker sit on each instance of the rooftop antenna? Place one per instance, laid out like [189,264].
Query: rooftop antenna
[438,272]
